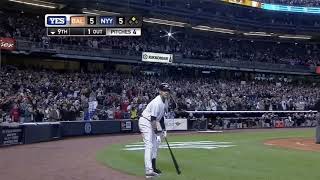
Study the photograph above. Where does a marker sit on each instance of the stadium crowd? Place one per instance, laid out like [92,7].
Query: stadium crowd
[185,44]
[27,95]
[308,3]
[31,95]
[267,120]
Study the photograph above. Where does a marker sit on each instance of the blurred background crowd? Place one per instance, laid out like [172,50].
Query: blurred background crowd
[28,95]
[182,43]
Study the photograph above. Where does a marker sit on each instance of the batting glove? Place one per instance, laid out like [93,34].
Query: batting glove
[164,133]
[158,138]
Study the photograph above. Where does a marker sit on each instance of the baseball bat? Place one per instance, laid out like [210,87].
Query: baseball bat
[173,158]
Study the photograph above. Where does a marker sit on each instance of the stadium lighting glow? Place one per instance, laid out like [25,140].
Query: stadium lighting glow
[169,34]
[295,37]
[92,13]
[36,3]
[98,12]
[164,22]
[219,30]
[257,34]
[222,29]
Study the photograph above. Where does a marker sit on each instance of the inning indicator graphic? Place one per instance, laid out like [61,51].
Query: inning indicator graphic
[88,25]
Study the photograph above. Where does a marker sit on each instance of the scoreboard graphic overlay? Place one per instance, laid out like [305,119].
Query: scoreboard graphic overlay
[88,25]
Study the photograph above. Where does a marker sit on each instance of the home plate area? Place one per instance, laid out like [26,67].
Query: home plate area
[183,145]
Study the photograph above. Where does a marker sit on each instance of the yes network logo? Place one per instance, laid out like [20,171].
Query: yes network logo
[56,20]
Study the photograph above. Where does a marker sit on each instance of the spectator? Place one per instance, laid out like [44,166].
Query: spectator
[29,114]
[134,113]
[15,113]
[55,114]
[118,113]
[39,115]
[2,116]
[73,113]
[110,113]
[65,113]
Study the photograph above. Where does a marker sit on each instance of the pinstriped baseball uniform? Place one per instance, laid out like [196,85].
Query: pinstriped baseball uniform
[156,108]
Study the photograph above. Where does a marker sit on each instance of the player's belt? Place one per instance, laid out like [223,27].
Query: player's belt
[146,118]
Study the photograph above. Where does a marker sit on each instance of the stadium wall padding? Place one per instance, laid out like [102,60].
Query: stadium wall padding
[12,134]
[89,128]
[82,128]
[41,133]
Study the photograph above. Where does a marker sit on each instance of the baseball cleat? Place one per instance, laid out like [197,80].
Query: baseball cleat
[157,171]
[151,175]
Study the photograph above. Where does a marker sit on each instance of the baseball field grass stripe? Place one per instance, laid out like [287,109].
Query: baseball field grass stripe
[184,143]
[182,147]
[249,159]
[191,142]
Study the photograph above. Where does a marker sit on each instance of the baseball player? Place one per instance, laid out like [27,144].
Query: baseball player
[153,114]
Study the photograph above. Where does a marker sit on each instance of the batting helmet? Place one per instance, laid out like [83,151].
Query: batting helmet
[164,87]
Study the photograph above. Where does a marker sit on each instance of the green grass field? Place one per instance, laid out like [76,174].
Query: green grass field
[248,160]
